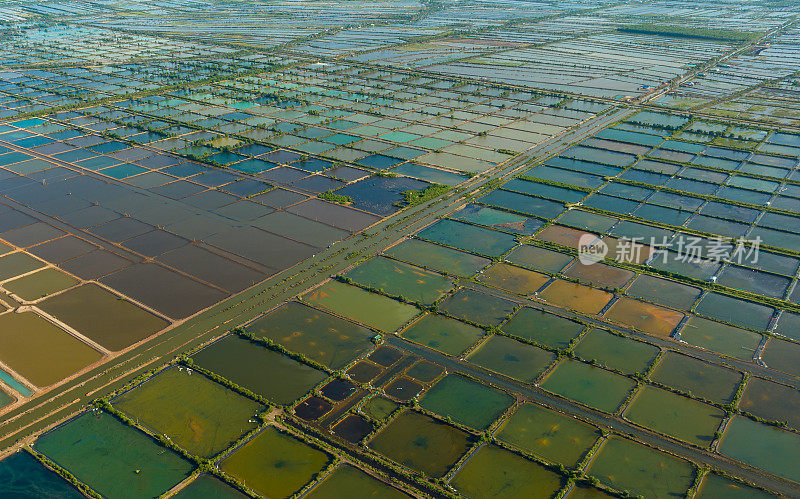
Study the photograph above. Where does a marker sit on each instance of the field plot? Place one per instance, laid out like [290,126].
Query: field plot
[196,413]
[105,454]
[274,463]
[394,249]
[421,443]
[263,371]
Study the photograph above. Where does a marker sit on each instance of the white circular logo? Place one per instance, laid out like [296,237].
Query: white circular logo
[591,249]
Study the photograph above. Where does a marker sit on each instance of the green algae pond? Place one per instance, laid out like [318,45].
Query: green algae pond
[378,407]
[698,378]
[626,465]
[40,351]
[516,360]
[467,402]
[766,447]
[443,334]
[368,308]
[425,371]
[196,413]
[542,327]
[675,415]
[477,307]
[206,486]
[40,284]
[721,338]
[439,258]
[22,476]
[539,258]
[323,337]
[400,279]
[713,486]
[275,464]
[114,459]
[588,385]
[421,443]
[347,481]
[616,352]
[495,472]
[548,434]
[265,372]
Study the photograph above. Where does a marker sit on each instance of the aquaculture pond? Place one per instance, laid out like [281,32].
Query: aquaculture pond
[664,291]
[713,486]
[652,319]
[588,385]
[675,415]
[425,371]
[422,443]
[549,434]
[400,279]
[542,327]
[477,307]
[323,337]
[468,237]
[269,374]
[495,472]
[368,308]
[766,447]
[103,317]
[512,358]
[514,279]
[576,297]
[697,377]
[772,401]
[439,258]
[205,486]
[114,459]
[40,284]
[721,338]
[626,465]
[616,352]
[466,401]
[379,407]
[196,413]
[347,481]
[40,351]
[539,258]
[275,464]
[22,476]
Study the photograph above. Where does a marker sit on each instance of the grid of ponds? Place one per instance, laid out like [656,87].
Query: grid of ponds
[146,178]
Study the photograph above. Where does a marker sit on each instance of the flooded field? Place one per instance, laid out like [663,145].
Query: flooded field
[40,351]
[421,443]
[466,402]
[323,337]
[267,373]
[588,385]
[626,465]
[274,463]
[105,454]
[521,478]
[368,308]
[196,413]
[548,434]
